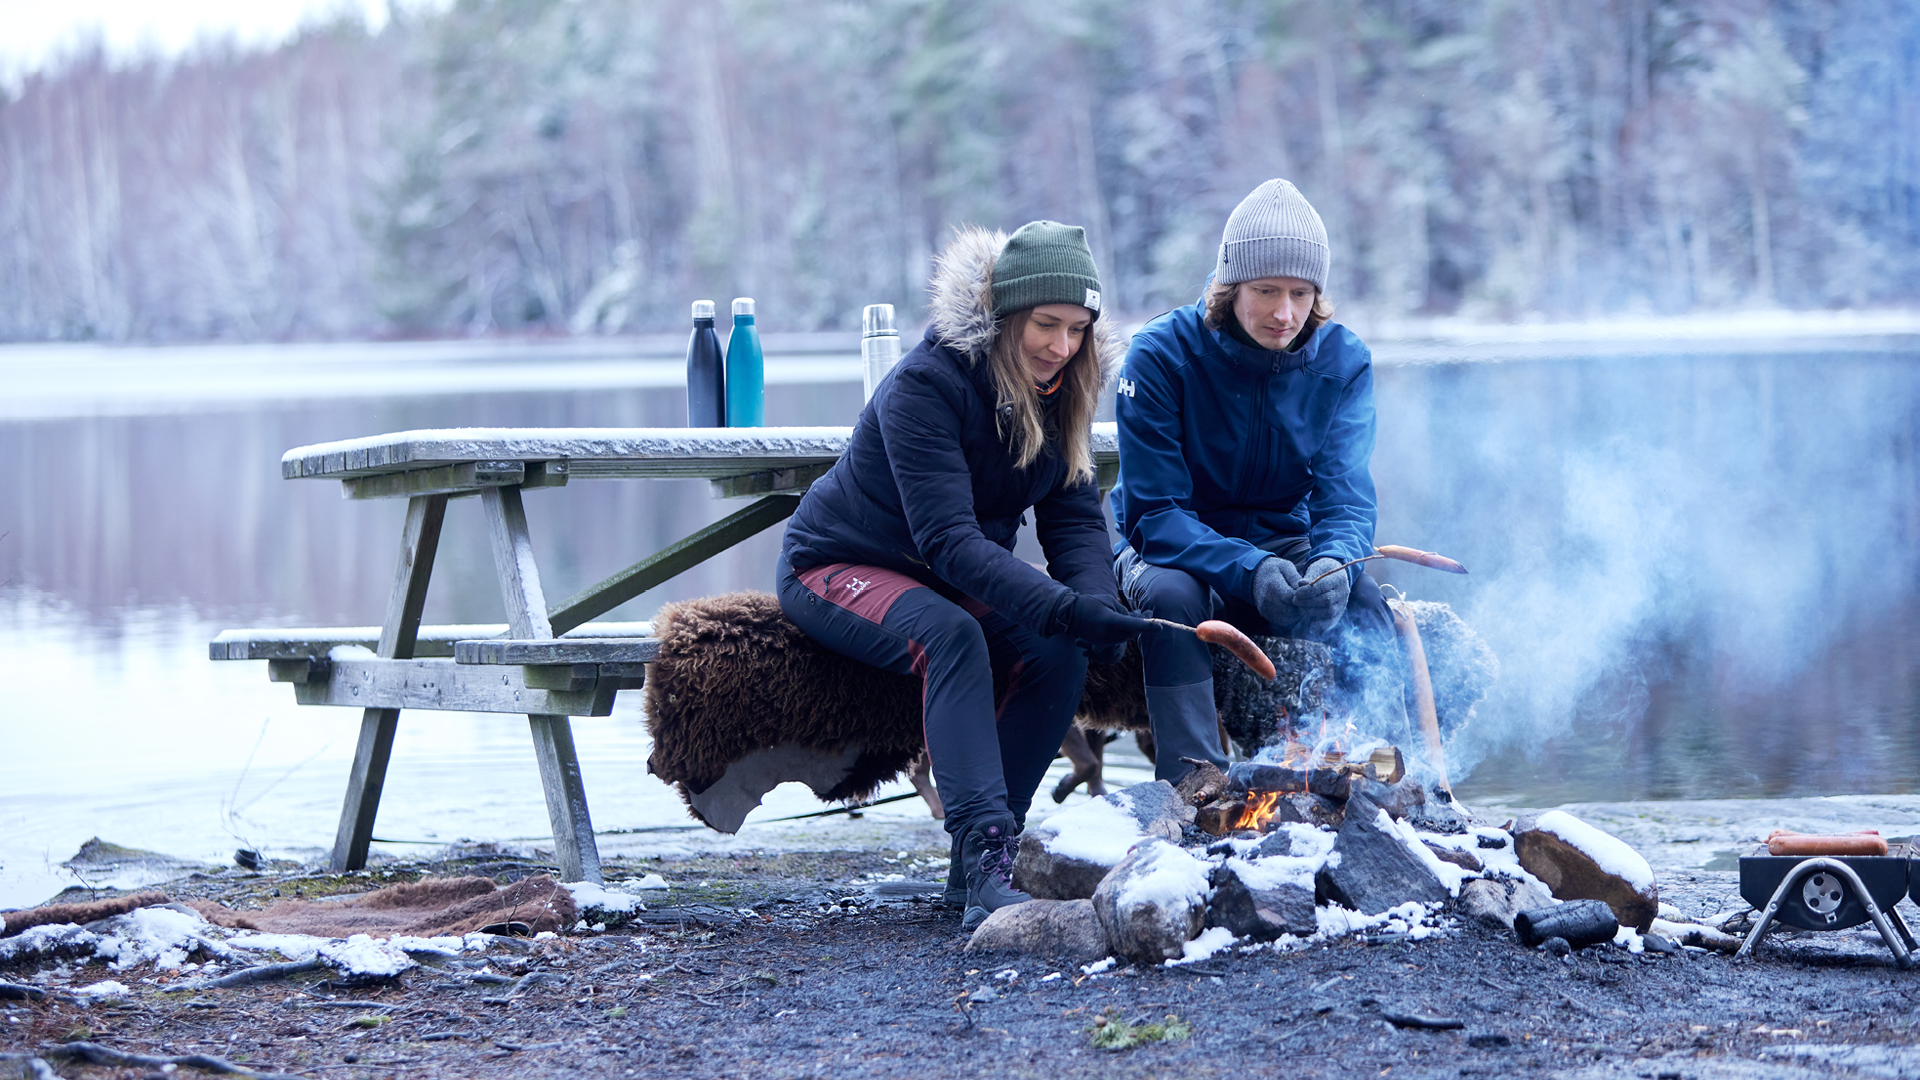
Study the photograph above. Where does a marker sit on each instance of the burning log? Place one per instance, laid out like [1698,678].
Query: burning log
[1422,690]
[1580,923]
[1204,784]
[1221,816]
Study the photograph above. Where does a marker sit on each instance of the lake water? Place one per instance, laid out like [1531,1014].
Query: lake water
[1696,553]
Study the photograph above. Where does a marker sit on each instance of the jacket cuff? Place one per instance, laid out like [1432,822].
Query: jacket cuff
[1061,616]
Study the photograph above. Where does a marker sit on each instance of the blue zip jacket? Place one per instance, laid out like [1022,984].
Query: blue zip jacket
[1227,450]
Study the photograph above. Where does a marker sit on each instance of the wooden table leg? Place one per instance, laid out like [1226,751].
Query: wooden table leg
[526,605]
[419,541]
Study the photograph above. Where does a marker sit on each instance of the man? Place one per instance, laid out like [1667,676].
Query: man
[1246,424]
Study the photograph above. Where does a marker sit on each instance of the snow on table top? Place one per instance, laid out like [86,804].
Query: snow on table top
[665,452]
[1610,853]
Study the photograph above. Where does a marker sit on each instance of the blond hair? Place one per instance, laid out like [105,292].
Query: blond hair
[1017,408]
[1218,305]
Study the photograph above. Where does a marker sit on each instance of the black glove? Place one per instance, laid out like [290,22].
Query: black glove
[1089,620]
[1325,601]
[1116,652]
[1274,582]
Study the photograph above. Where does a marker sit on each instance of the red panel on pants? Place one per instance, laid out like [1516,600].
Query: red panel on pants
[866,591]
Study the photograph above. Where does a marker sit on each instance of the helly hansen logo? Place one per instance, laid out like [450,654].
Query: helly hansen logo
[1093,301]
[856,586]
[1126,387]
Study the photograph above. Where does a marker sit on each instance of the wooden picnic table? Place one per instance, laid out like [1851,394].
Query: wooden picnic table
[549,661]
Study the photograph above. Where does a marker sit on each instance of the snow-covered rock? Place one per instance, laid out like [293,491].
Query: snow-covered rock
[1263,898]
[1493,902]
[1579,862]
[1376,866]
[1066,856]
[1066,928]
[1153,903]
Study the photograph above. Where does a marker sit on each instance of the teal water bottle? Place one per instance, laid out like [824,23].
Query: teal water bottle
[746,370]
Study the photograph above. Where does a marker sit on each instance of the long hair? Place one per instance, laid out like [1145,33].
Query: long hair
[1219,307]
[1018,412]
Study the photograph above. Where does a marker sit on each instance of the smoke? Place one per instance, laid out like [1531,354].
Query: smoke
[1667,549]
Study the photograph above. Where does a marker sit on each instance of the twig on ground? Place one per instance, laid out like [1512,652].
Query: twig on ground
[95,1054]
[249,976]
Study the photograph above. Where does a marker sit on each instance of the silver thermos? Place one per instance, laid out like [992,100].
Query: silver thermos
[879,344]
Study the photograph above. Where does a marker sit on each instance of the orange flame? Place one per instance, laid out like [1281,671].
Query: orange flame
[1259,810]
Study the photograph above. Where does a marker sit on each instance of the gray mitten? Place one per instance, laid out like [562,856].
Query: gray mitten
[1274,582]
[1322,603]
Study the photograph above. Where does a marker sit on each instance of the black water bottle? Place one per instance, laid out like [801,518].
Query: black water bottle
[706,371]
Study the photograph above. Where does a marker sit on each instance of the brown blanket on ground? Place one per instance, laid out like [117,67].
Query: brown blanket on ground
[429,908]
[85,911]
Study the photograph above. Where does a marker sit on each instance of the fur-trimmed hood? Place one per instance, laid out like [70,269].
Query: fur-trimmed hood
[960,301]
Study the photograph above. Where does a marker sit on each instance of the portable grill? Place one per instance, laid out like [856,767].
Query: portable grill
[1830,892]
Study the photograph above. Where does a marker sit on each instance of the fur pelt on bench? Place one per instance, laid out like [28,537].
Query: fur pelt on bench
[741,700]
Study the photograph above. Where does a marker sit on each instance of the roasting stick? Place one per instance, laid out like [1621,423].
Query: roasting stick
[1227,636]
[1422,690]
[1431,559]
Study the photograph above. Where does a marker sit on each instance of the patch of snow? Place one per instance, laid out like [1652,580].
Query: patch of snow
[1166,876]
[291,946]
[435,946]
[163,935]
[1098,966]
[1099,831]
[1450,875]
[651,881]
[1276,870]
[1630,937]
[1049,978]
[1608,851]
[105,988]
[1210,941]
[352,652]
[362,955]
[1413,917]
[591,897]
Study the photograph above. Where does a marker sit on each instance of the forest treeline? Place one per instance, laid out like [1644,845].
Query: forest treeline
[591,166]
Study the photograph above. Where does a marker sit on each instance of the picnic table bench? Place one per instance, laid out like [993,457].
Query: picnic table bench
[549,661]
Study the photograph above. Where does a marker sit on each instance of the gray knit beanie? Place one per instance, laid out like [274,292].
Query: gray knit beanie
[1046,262]
[1274,232]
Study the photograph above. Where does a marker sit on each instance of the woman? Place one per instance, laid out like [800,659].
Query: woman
[902,555]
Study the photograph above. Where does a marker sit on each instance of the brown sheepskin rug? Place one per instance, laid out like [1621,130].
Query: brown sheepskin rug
[430,908]
[734,676]
[86,911]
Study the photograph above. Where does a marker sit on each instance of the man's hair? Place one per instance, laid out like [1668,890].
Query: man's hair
[1219,310]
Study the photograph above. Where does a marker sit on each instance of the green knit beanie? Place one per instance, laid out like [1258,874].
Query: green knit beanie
[1046,262]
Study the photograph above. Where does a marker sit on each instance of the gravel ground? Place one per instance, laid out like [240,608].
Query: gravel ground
[781,966]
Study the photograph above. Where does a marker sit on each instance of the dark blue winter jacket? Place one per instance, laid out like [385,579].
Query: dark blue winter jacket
[1226,449]
[928,487]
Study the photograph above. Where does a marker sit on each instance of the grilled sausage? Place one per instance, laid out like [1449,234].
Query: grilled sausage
[1860,843]
[1424,558]
[1229,637]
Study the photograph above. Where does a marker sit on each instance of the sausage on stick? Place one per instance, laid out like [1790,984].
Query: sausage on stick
[1228,637]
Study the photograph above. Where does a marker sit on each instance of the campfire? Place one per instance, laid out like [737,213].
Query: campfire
[1304,785]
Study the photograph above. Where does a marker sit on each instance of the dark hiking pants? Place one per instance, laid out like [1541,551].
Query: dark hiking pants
[1363,639]
[989,749]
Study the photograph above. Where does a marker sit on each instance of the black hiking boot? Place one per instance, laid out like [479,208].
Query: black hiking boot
[986,852]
